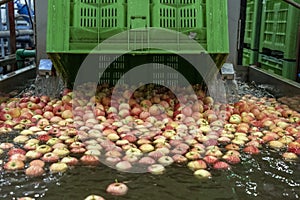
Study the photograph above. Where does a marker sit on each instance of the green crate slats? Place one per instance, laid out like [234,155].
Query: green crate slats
[279,27]
[253,23]
[249,57]
[78,26]
[95,21]
[286,69]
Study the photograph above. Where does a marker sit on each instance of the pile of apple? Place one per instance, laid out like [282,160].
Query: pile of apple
[144,131]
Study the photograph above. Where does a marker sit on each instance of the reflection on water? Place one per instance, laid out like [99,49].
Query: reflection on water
[267,177]
[257,177]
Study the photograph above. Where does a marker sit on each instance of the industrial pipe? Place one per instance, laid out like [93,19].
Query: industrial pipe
[5,34]
[21,54]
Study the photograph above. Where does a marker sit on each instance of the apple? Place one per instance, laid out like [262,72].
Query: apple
[16,151]
[294,147]
[214,151]
[221,165]
[67,114]
[17,156]
[251,150]
[180,159]
[55,119]
[70,161]
[48,115]
[210,159]
[43,149]
[13,165]
[58,167]
[50,157]
[117,189]
[146,148]
[202,173]
[165,160]
[147,161]
[42,123]
[156,169]
[37,162]
[57,110]
[34,171]
[5,116]
[155,110]
[14,112]
[125,165]
[32,154]
[34,99]
[66,99]
[90,160]
[94,197]
[48,108]
[78,150]
[235,119]
[5,130]
[289,156]
[21,139]
[231,159]
[192,155]
[196,165]
[32,106]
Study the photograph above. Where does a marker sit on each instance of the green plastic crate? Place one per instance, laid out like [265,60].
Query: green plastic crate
[253,23]
[286,69]
[75,27]
[279,28]
[78,26]
[250,57]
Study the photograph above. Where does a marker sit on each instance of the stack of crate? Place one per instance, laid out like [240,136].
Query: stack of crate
[252,30]
[271,36]
[278,39]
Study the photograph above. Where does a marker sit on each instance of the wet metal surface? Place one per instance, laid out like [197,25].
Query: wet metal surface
[278,86]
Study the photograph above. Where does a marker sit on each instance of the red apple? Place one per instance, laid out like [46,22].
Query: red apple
[117,189]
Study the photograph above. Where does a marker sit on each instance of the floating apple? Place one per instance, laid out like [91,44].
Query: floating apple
[117,189]
[156,169]
[58,167]
[13,165]
[34,171]
[202,173]
[94,197]
[37,162]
